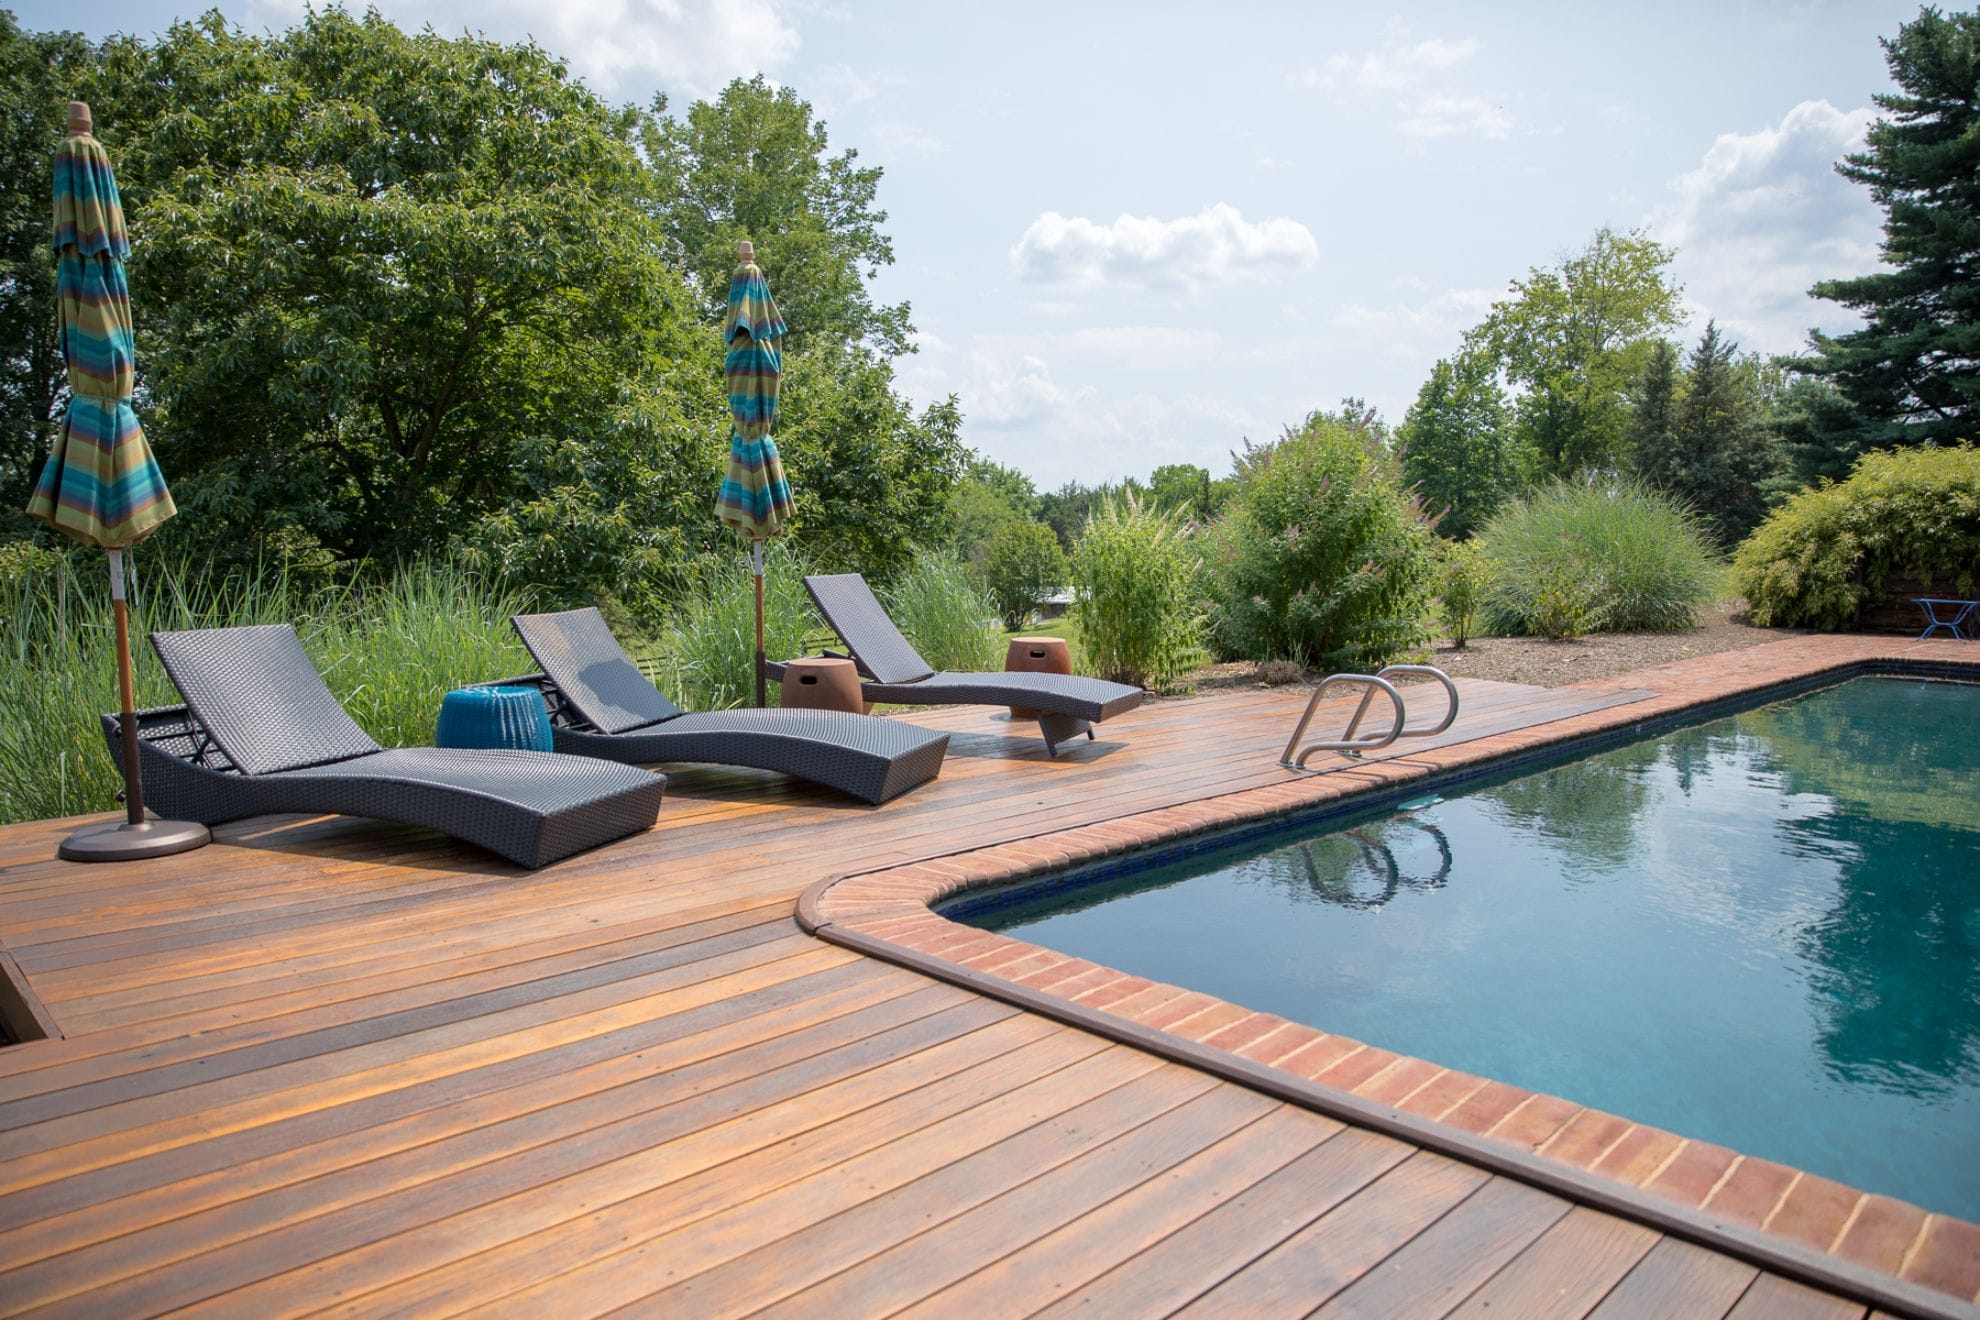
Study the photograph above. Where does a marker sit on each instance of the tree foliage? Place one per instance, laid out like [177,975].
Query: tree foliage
[986,497]
[398,289]
[1913,371]
[39,71]
[1190,488]
[398,292]
[1025,565]
[752,164]
[1575,338]
[1457,444]
[872,477]
[1703,437]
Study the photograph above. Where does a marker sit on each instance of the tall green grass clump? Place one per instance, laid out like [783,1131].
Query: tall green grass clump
[1322,556]
[391,650]
[1826,554]
[1134,572]
[1610,557]
[389,647]
[938,605]
[709,647]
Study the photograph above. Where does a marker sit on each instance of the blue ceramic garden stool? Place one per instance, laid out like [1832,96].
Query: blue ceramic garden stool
[511,717]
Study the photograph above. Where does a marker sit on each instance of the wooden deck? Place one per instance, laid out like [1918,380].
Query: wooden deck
[335,1064]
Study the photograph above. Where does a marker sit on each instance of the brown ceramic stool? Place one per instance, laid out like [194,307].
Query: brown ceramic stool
[1036,655]
[822,683]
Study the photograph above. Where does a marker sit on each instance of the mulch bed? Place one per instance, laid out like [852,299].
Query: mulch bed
[1542,663]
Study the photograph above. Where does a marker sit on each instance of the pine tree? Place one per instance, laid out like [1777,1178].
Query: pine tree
[1723,454]
[1653,415]
[1701,433]
[1913,371]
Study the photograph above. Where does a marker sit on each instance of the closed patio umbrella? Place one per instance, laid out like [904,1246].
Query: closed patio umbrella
[755,500]
[101,484]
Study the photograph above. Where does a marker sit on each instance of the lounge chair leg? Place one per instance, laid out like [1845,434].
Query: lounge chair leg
[1061,728]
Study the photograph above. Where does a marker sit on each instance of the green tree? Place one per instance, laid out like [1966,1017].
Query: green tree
[1457,445]
[1066,509]
[1187,487]
[1025,566]
[1820,432]
[985,498]
[1715,453]
[872,478]
[398,289]
[1913,371]
[1575,338]
[1653,408]
[39,72]
[752,164]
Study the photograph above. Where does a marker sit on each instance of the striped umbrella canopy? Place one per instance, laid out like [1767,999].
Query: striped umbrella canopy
[100,484]
[755,500]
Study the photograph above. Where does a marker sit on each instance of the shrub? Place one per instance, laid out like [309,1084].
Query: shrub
[1322,557]
[1610,557]
[389,647]
[1460,589]
[939,607]
[1823,556]
[709,647]
[1134,570]
[1025,566]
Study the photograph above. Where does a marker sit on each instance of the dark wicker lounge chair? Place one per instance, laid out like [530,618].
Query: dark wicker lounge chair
[601,705]
[260,733]
[1067,706]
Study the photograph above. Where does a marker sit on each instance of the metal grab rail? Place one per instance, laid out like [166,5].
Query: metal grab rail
[1351,745]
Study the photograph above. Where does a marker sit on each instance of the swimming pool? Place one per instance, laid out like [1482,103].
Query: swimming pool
[1759,931]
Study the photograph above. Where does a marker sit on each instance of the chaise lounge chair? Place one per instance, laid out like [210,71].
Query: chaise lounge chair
[601,705]
[260,733]
[1067,706]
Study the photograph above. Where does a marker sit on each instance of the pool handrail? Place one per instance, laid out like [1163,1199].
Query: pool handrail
[1349,744]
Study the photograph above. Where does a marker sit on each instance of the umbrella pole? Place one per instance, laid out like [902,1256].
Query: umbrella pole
[756,564]
[127,718]
[137,838]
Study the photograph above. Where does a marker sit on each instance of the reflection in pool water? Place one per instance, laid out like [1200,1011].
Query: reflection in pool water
[1762,932]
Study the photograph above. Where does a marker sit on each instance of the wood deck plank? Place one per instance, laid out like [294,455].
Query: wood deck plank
[331,1059]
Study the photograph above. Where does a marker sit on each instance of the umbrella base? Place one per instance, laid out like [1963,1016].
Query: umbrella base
[130,843]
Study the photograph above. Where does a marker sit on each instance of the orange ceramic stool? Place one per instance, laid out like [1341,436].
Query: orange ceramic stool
[1036,655]
[822,683]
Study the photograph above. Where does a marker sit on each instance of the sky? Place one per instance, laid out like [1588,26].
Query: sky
[1137,234]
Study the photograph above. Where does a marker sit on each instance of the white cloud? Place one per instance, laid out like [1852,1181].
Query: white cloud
[692,48]
[1421,330]
[1021,409]
[893,139]
[1398,65]
[1409,85]
[1212,247]
[1453,116]
[1763,217]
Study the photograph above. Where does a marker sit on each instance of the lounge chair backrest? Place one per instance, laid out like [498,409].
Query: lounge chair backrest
[580,655]
[849,606]
[258,696]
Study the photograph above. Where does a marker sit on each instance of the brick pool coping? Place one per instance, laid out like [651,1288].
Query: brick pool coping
[1873,1246]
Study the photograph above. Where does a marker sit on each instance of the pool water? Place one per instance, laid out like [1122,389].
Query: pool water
[1762,931]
